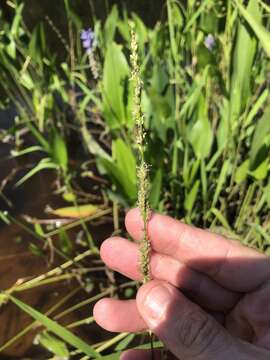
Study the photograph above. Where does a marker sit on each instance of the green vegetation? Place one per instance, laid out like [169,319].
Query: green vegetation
[206,75]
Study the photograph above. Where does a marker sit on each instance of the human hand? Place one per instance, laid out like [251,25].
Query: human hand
[209,300]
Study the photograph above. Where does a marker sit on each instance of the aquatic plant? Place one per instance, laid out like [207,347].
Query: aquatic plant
[89,43]
[88,40]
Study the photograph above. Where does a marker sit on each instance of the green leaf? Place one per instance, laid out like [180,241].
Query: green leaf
[243,58]
[71,15]
[262,129]
[110,25]
[191,197]
[256,107]
[156,187]
[42,165]
[28,150]
[221,218]
[59,151]
[4,217]
[53,344]
[26,81]
[115,76]
[123,169]
[122,345]
[11,49]
[16,21]
[242,172]
[56,329]
[201,135]
[221,181]
[261,171]
[261,32]
[266,192]
[125,160]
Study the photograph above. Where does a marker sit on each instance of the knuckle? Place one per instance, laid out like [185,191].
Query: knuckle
[197,332]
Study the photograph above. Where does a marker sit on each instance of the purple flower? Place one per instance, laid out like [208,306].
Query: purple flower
[209,42]
[88,40]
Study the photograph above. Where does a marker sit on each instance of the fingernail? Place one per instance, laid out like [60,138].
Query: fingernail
[155,304]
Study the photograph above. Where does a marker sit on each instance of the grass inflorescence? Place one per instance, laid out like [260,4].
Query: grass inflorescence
[143,182]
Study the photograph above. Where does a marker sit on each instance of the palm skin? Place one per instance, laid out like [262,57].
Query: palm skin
[212,294]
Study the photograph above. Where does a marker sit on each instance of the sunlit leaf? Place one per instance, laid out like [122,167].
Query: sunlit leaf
[79,211]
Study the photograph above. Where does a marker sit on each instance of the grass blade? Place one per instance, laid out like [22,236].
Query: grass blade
[262,34]
[57,329]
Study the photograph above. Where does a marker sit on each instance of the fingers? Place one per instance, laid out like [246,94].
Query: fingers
[250,318]
[186,330]
[224,260]
[138,354]
[123,256]
[118,316]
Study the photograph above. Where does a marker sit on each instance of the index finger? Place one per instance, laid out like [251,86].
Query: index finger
[231,264]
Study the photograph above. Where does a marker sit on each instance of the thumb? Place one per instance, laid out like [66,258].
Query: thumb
[186,330]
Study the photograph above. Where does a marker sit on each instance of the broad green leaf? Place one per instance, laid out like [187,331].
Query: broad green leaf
[242,171]
[261,171]
[125,160]
[256,25]
[115,78]
[122,168]
[59,151]
[11,49]
[201,134]
[53,344]
[56,329]
[92,145]
[243,58]
[79,211]
[111,25]
[26,81]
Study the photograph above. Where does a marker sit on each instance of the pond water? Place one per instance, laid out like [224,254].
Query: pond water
[18,262]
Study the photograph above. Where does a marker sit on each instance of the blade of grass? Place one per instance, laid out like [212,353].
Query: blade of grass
[262,34]
[57,329]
